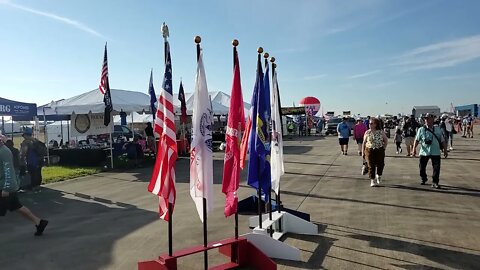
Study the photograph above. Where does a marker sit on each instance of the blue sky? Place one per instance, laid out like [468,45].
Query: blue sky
[368,56]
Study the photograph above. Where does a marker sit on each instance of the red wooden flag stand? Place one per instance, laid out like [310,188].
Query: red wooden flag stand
[241,252]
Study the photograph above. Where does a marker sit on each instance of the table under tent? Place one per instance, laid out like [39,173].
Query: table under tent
[89,140]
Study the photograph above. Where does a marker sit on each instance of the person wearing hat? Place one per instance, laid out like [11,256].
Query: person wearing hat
[431,142]
[8,190]
[32,153]
[447,129]
[343,130]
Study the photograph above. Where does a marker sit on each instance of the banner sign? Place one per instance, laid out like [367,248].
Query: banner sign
[347,113]
[293,110]
[17,109]
[89,124]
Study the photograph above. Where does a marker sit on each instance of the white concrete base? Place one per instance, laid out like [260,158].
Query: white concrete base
[272,247]
[289,224]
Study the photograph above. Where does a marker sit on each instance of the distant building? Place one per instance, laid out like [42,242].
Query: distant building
[464,110]
[419,110]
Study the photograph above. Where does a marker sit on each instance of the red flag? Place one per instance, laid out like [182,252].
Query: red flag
[244,144]
[235,125]
[162,182]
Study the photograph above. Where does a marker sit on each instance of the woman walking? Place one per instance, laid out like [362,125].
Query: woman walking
[447,130]
[358,133]
[398,140]
[374,145]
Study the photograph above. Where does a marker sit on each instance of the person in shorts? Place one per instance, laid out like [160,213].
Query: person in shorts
[409,133]
[358,131]
[9,200]
[343,130]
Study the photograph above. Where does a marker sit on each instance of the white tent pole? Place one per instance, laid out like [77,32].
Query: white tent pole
[46,135]
[111,150]
[133,134]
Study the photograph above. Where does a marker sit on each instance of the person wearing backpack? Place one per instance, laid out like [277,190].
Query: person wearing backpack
[33,151]
[431,142]
[9,200]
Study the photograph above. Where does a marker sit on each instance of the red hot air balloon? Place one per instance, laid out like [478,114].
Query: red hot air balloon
[310,104]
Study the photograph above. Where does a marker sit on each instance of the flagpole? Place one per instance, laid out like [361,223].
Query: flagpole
[274,66]
[198,39]
[266,55]
[235,44]
[165,34]
[259,190]
[170,221]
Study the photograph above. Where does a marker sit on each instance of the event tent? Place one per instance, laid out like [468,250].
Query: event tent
[17,110]
[12,126]
[92,102]
[220,103]
[137,118]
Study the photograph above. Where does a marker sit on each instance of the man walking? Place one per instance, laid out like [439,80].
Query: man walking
[33,151]
[409,132]
[343,130]
[431,143]
[8,190]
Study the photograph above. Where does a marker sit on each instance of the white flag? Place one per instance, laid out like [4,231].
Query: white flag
[201,156]
[276,155]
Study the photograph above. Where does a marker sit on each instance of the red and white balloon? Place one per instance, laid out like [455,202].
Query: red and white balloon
[311,104]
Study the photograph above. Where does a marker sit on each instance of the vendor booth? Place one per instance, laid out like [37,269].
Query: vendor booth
[17,111]
[88,136]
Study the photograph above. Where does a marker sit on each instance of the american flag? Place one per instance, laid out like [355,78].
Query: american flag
[162,182]
[104,77]
[105,89]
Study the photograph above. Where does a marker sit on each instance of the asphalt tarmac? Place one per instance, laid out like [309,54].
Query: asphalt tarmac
[110,221]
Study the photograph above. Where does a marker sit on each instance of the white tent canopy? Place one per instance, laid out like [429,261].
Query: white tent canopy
[137,118]
[8,126]
[220,103]
[92,102]
[129,101]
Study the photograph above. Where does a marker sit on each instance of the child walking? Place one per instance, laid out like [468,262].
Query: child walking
[398,140]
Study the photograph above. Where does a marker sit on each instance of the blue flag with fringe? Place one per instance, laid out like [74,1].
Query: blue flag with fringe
[258,163]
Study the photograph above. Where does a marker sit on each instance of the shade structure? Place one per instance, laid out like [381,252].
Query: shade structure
[92,102]
[220,103]
[17,110]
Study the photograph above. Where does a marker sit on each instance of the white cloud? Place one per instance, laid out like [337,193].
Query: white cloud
[459,77]
[64,20]
[366,74]
[315,77]
[441,55]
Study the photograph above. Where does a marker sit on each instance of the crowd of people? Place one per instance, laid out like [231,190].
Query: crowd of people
[14,165]
[432,135]
[305,127]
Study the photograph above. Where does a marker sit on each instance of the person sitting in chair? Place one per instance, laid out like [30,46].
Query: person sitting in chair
[134,151]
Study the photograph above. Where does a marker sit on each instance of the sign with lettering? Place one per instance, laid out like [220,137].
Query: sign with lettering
[17,109]
[89,124]
[293,110]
